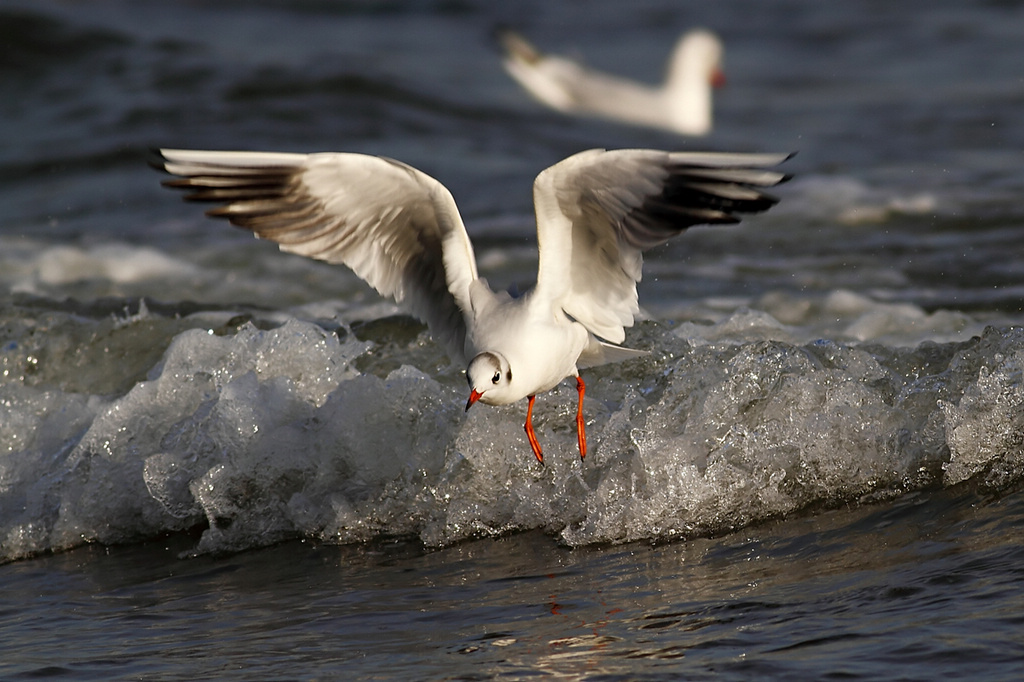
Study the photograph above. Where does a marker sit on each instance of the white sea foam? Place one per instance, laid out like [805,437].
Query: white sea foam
[841,315]
[115,262]
[258,435]
[985,429]
[852,202]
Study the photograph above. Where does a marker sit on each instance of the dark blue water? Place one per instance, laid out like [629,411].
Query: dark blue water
[926,588]
[220,461]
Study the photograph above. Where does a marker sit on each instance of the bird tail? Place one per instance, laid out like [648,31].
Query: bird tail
[601,353]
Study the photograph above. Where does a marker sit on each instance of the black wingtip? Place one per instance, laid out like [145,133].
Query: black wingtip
[514,44]
[155,159]
[788,176]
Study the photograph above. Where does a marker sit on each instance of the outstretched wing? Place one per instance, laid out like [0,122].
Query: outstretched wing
[394,226]
[597,211]
[570,87]
[683,104]
[549,79]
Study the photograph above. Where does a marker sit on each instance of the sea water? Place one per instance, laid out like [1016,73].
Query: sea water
[218,460]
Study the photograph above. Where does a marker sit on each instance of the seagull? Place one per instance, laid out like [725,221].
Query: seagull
[682,104]
[399,230]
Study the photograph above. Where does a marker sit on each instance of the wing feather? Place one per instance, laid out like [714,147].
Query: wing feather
[394,226]
[599,210]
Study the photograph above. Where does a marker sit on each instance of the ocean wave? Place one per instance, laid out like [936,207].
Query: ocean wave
[849,201]
[127,428]
[34,42]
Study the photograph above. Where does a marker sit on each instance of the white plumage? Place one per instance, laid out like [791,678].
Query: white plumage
[682,103]
[400,230]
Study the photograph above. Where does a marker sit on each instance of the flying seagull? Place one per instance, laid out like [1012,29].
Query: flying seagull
[682,104]
[400,230]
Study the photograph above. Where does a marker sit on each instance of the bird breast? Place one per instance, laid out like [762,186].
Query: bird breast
[541,349]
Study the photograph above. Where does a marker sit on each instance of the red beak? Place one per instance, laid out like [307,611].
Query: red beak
[473,397]
[717,78]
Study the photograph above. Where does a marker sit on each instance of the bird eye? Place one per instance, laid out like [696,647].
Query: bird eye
[496,378]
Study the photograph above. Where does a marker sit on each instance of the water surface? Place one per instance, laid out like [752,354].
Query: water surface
[220,460]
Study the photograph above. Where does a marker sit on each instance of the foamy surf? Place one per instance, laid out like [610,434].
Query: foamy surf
[254,435]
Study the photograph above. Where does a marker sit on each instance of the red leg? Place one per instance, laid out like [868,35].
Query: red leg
[581,434]
[529,430]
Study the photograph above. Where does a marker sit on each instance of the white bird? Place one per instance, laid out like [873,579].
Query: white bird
[400,230]
[682,104]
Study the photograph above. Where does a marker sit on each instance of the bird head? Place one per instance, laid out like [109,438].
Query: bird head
[489,375]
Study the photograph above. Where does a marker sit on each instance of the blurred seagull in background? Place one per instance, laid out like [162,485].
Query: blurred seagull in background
[682,104]
[400,230]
